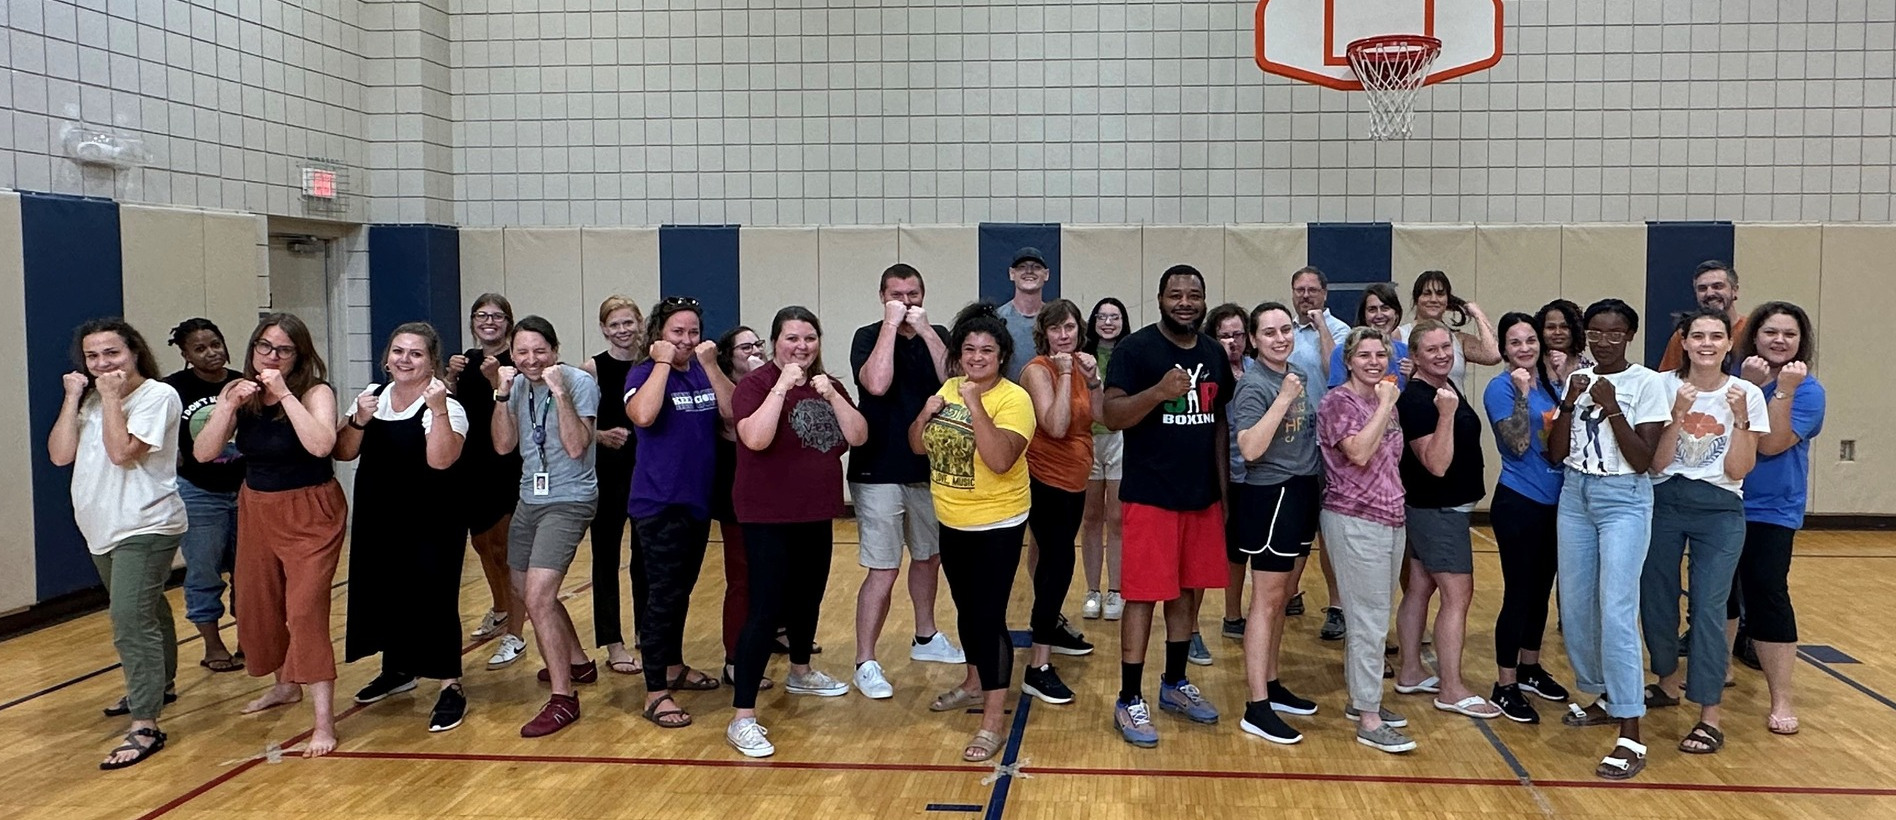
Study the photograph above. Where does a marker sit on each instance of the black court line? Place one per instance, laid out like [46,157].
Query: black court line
[1846,679]
[967,807]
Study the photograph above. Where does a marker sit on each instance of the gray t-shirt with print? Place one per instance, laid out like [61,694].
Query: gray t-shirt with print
[568,478]
[1293,450]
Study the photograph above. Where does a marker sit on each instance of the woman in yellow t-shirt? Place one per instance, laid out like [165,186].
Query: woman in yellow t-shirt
[975,432]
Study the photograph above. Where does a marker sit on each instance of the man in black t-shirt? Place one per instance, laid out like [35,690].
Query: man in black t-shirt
[899,362]
[1166,387]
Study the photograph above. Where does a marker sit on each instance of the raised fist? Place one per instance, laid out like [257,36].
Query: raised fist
[111,385]
[1386,392]
[1175,383]
[436,395]
[894,312]
[1603,393]
[1577,387]
[366,405]
[664,352]
[970,392]
[504,378]
[237,392]
[707,353]
[1557,358]
[490,367]
[1293,387]
[1791,376]
[273,384]
[75,383]
[1740,404]
[1523,380]
[1089,366]
[823,386]
[555,380]
[1755,370]
[792,376]
[1683,400]
[456,364]
[933,406]
[1446,400]
[1406,367]
[1062,363]
[916,318]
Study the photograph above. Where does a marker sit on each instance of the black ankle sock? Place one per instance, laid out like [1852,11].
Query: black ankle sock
[919,640]
[1130,676]
[1175,655]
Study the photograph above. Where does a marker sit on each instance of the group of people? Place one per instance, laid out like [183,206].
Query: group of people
[1213,445]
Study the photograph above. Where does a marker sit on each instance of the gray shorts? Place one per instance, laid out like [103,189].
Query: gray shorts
[1109,456]
[890,515]
[1440,539]
[546,536]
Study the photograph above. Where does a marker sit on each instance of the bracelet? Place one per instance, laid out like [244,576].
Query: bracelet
[1614,414]
[779,392]
[352,423]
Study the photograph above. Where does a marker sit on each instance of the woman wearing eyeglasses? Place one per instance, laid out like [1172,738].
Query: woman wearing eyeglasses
[290,516]
[1606,434]
[623,325]
[674,408]
[1231,326]
[739,352]
[489,480]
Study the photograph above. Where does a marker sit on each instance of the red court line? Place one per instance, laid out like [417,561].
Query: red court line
[1091,772]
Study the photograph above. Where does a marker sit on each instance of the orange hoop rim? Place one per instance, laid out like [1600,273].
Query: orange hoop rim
[1392,47]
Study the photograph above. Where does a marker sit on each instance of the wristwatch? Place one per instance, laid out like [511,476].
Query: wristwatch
[501,397]
[1780,395]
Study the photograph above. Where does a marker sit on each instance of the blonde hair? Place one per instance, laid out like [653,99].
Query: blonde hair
[616,303]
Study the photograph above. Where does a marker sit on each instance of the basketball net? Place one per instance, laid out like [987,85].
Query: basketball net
[1392,69]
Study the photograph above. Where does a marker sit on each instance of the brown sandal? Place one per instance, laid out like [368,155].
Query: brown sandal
[673,718]
[1708,738]
[1623,768]
[685,683]
[982,748]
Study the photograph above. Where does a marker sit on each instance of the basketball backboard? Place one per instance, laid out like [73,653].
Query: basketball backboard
[1308,40]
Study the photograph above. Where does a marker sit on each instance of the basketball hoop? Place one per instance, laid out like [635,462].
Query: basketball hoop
[1392,68]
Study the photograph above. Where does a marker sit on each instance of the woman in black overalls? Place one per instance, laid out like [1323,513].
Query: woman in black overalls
[404,563]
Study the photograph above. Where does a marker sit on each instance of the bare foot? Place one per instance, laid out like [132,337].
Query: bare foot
[282,694]
[321,742]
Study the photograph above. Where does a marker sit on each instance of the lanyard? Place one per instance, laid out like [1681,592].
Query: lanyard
[539,422]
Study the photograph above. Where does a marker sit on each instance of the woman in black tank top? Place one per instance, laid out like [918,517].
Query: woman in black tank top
[623,325]
[290,515]
[489,482]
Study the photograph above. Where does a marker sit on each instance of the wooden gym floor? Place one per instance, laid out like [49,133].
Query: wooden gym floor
[850,757]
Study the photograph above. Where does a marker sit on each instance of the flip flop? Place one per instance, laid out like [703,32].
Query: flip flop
[1656,697]
[1466,706]
[131,744]
[1781,725]
[1707,736]
[1430,685]
[226,664]
[630,667]
[1619,768]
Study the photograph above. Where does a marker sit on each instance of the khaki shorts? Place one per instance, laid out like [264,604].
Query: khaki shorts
[891,515]
[546,536]
[1109,456]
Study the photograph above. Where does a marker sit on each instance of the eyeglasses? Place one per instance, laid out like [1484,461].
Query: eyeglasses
[263,348]
[490,316]
[748,346]
[1230,337]
[1611,337]
[680,301]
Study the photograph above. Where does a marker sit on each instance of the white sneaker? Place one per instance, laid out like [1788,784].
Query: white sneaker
[1090,609]
[494,621]
[511,648]
[747,736]
[816,683]
[870,682]
[937,650]
[1115,606]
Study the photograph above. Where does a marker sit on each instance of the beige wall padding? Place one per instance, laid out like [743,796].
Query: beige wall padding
[236,265]
[783,271]
[621,261]
[180,264]
[543,278]
[483,269]
[1784,263]
[17,584]
[948,258]
[1598,261]
[1103,261]
[1517,267]
[1851,345]
[1259,259]
[850,262]
[1163,247]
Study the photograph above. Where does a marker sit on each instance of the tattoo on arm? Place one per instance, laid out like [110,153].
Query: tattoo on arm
[1515,430]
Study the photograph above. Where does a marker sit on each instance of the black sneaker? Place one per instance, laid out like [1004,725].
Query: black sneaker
[1068,641]
[1234,628]
[1513,704]
[1532,678]
[1295,606]
[1284,700]
[449,709]
[385,684]
[1260,718]
[1334,627]
[1042,682]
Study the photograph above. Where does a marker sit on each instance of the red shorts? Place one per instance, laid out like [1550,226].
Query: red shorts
[1165,551]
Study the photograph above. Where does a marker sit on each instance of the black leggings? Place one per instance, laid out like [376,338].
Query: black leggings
[1055,520]
[1762,588]
[980,567]
[789,571]
[608,527]
[674,544]
[1525,533]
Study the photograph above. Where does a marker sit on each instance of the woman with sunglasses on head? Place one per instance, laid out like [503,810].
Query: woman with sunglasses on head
[405,569]
[113,427]
[1099,524]
[674,408]
[1435,300]
[489,480]
[1776,349]
[1520,401]
[1064,385]
[291,515]
[739,352]
[976,431]
[1606,433]
[209,490]
[1380,309]
[546,410]
[1701,461]
[793,419]
[623,326]
[1274,505]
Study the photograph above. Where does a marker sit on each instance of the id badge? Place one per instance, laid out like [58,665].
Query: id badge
[542,484]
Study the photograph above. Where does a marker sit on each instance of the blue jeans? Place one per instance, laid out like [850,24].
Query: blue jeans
[1605,525]
[210,551]
[1712,520]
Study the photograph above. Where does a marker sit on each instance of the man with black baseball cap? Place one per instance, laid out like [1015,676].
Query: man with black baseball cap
[1030,274]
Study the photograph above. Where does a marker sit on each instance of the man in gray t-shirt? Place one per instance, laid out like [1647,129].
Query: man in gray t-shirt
[1030,275]
[538,418]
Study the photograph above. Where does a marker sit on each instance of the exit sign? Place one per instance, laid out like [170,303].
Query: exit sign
[319,183]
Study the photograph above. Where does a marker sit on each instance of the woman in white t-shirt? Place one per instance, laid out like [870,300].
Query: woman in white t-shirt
[404,568]
[1608,424]
[1706,450]
[116,428]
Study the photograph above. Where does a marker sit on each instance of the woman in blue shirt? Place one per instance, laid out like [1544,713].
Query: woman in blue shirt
[1381,309]
[1524,510]
[1776,350]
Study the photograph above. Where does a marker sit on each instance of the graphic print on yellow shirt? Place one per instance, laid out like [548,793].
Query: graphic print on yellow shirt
[949,439]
